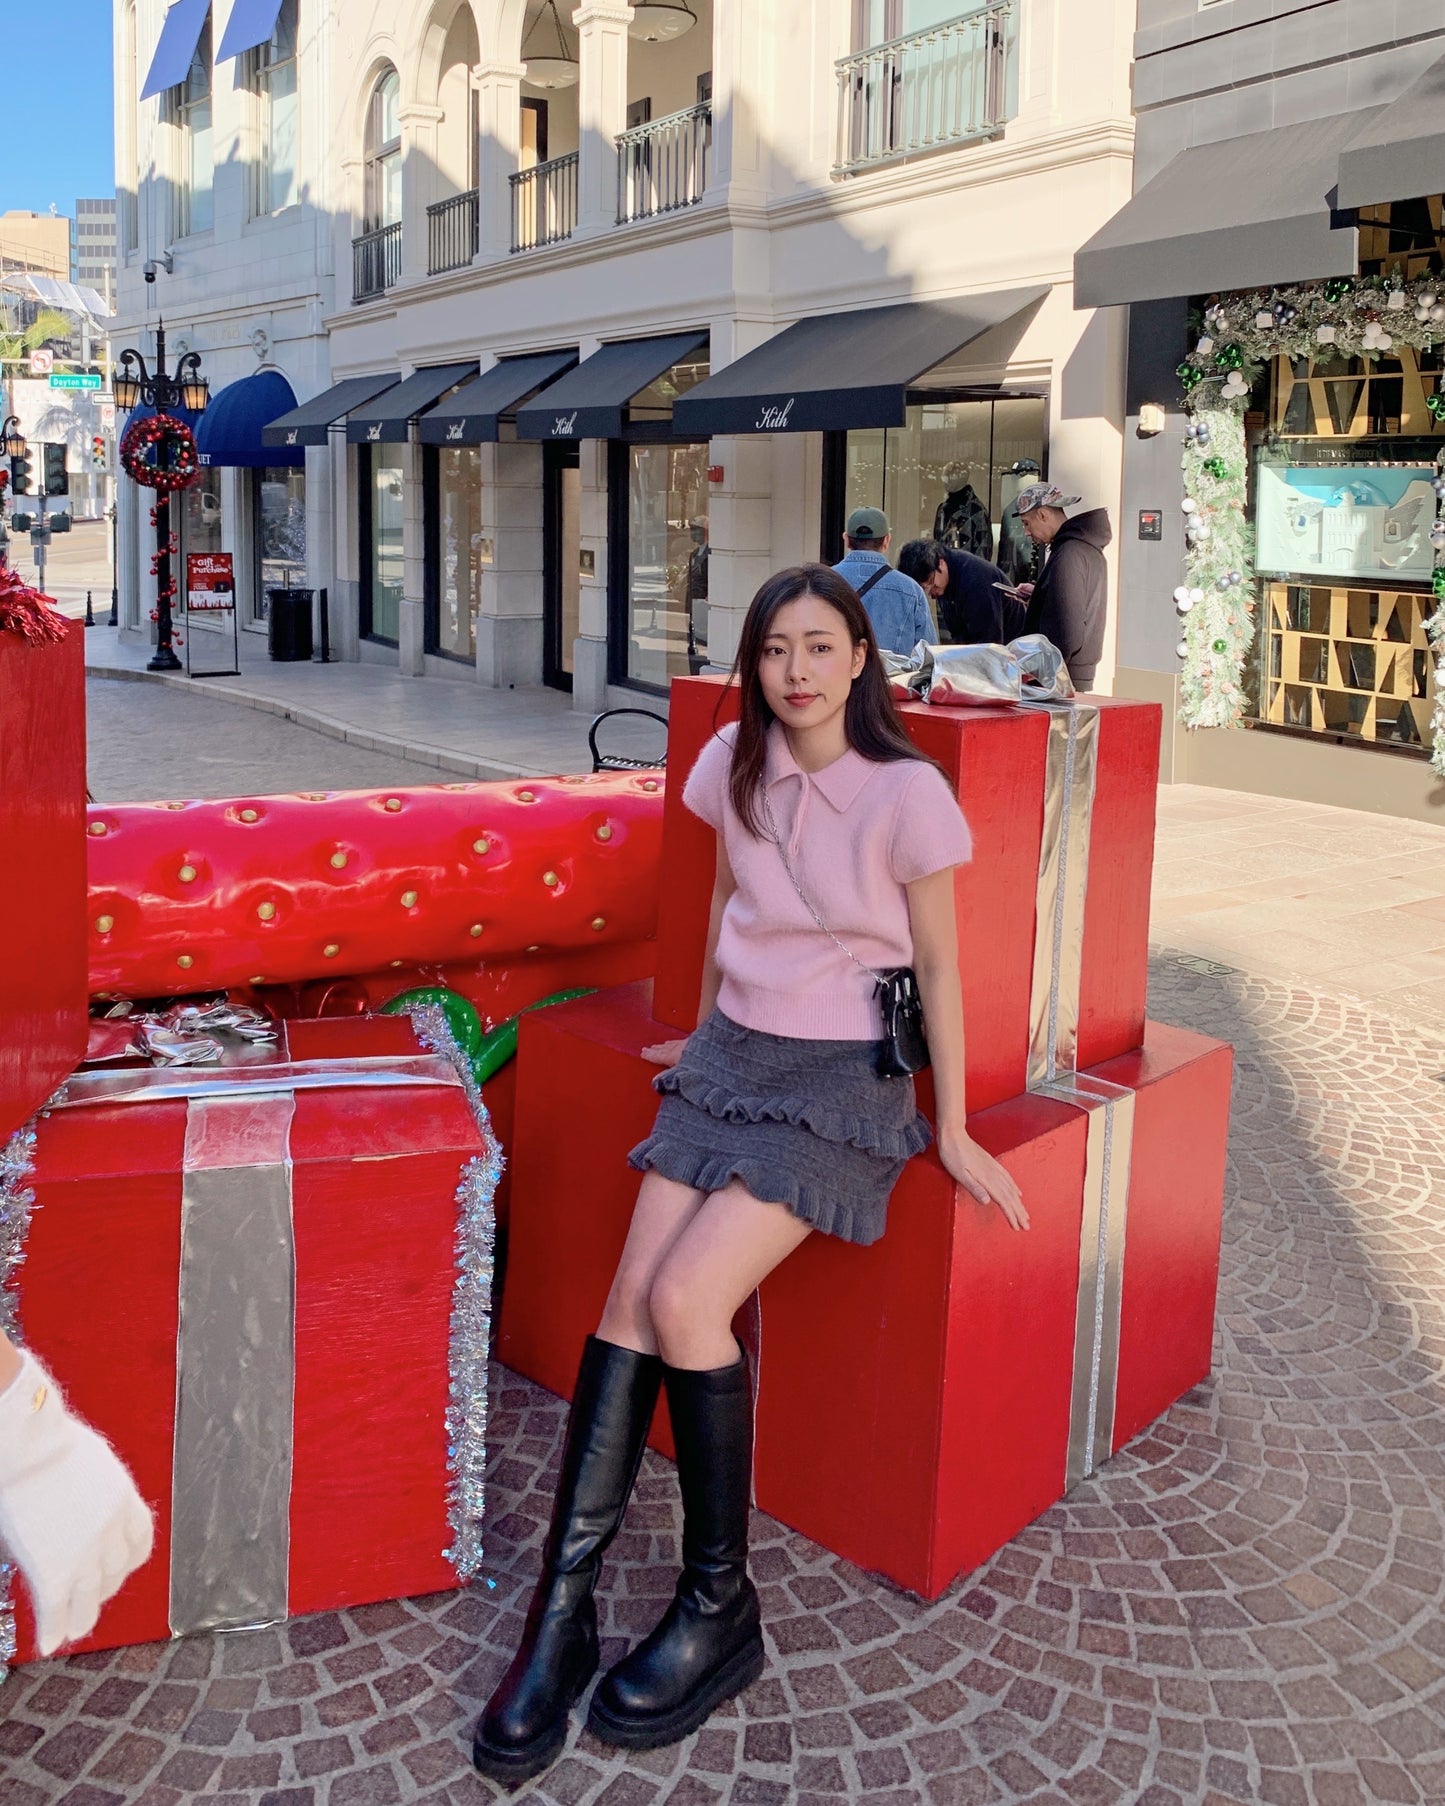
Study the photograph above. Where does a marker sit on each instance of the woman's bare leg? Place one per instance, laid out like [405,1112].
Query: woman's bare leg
[663,1210]
[710,1268]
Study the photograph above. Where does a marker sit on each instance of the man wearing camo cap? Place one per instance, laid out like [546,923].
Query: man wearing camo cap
[1068,602]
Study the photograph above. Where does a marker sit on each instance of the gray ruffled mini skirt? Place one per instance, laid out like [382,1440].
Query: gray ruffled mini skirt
[808,1124]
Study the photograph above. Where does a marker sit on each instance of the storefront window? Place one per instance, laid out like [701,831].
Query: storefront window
[382,566]
[460,551]
[951,473]
[280,515]
[200,512]
[1403,236]
[1343,504]
[667,562]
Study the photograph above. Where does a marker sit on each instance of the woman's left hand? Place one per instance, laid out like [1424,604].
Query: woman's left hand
[982,1177]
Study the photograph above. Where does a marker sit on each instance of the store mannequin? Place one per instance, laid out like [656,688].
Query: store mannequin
[962,519]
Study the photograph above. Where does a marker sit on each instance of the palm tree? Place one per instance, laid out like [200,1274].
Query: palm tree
[48,326]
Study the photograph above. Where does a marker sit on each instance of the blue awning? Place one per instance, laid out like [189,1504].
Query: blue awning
[251,23]
[180,34]
[230,429]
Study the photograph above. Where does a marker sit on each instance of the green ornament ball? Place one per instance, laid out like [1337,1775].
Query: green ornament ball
[1190,375]
[1217,468]
[1221,645]
[1437,583]
[1230,357]
[1338,287]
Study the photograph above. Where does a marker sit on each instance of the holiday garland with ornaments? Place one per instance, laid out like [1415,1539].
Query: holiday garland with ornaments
[1241,334]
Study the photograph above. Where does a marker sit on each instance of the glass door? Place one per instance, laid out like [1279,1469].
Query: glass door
[660,554]
[383,485]
[562,560]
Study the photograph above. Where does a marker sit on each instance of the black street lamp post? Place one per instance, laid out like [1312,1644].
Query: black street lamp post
[188,389]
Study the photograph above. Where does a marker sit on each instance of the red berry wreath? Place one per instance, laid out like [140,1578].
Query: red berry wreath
[159,452]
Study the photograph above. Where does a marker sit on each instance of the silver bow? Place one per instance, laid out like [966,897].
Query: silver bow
[186,1034]
[1028,669]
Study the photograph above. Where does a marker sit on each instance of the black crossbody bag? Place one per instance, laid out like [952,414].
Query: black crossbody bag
[903,1049]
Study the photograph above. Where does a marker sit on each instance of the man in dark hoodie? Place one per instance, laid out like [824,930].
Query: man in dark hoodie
[1067,604]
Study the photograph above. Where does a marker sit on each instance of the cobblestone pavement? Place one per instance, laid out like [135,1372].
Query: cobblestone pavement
[1243,1606]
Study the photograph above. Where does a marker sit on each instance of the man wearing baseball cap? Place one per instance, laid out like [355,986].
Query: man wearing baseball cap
[1068,602]
[896,605]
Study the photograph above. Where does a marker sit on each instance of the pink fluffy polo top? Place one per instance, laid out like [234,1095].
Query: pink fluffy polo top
[856,832]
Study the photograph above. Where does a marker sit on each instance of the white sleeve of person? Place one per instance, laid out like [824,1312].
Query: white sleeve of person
[70,1516]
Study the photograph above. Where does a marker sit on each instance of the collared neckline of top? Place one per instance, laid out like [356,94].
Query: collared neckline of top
[838,783]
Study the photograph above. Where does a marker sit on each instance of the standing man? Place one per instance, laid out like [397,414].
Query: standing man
[896,605]
[1068,602]
[974,609]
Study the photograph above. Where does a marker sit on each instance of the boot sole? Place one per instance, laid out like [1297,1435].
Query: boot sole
[738,1672]
[511,1767]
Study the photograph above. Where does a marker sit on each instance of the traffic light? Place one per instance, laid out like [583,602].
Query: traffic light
[97,451]
[57,478]
[20,474]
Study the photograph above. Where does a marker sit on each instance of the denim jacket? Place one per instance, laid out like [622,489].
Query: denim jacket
[896,605]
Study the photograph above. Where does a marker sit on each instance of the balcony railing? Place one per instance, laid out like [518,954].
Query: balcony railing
[375,261]
[944,86]
[452,232]
[662,166]
[544,203]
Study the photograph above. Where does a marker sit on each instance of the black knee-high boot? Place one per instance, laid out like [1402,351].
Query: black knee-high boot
[525,1723]
[709,1644]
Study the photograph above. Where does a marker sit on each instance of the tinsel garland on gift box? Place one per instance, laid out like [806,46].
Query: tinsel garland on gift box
[17,1199]
[1241,334]
[471,1331]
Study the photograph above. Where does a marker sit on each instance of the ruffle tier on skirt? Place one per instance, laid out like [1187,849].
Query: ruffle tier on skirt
[807,1124]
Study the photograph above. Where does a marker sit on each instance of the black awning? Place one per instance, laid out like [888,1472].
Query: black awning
[307,424]
[473,414]
[1397,153]
[389,414]
[844,370]
[1241,213]
[590,402]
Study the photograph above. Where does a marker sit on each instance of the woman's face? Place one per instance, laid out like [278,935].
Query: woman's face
[809,663]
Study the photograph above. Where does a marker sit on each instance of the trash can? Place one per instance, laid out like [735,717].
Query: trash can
[289,624]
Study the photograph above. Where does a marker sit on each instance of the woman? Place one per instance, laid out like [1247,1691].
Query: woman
[836,840]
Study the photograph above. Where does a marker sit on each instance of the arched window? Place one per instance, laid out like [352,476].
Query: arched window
[278,182]
[194,212]
[383,154]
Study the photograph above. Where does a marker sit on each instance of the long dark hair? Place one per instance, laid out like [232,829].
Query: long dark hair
[871,720]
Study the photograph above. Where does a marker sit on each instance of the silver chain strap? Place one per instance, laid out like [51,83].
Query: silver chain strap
[803,895]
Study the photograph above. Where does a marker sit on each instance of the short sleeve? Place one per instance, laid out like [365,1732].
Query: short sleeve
[705,791]
[929,830]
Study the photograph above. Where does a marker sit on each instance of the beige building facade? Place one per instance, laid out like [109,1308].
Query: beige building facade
[595,314]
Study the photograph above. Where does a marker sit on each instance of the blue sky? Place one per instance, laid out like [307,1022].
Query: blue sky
[60,111]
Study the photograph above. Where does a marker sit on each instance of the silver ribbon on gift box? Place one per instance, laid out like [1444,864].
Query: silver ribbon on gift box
[236,1358]
[1070,773]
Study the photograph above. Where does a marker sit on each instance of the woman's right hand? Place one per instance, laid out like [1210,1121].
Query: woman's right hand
[665,1053]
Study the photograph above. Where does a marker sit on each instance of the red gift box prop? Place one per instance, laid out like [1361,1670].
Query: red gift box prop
[202,1261]
[999,760]
[923,1399]
[42,901]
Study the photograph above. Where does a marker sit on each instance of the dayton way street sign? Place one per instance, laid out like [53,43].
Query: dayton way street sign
[75,379]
